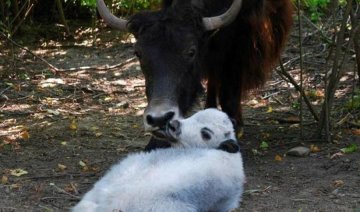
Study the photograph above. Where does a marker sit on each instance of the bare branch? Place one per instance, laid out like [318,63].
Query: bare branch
[286,76]
[335,74]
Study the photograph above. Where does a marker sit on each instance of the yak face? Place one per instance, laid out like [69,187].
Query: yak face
[205,129]
[168,47]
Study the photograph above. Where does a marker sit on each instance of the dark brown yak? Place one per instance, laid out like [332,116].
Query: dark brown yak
[232,43]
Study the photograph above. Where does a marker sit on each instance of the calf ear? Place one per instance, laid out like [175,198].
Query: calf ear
[229,146]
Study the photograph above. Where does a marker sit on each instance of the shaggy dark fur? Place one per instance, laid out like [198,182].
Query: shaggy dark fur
[176,52]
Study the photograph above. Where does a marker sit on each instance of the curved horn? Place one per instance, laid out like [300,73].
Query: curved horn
[224,19]
[109,18]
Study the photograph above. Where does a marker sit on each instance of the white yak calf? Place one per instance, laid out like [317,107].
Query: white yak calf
[202,172]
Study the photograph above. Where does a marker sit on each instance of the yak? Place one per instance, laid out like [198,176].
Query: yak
[232,45]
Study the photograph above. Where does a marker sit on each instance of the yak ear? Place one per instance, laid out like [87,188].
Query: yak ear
[229,146]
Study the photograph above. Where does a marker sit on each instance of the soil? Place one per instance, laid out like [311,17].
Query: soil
[60,132]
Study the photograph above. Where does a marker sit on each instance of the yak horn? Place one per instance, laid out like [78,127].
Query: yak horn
[212,23]
[109,18]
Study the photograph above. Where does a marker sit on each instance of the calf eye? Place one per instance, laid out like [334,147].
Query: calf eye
[206,134]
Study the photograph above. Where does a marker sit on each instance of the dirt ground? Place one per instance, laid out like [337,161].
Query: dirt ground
[60,132]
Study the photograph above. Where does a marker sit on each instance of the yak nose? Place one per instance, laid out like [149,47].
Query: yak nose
[159,120]
[174,128]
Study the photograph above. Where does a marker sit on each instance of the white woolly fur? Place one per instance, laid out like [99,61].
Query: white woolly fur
[192,178]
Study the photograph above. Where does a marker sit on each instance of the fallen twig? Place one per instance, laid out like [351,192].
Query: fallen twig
[54,176]
[251,191]
[3,91]
[52,67]
[344,120]
[353,124]
[271,95]
[278,100]
[63,191]
[55,69]
[106,67]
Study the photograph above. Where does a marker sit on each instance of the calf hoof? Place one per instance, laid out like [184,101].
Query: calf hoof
[156,144]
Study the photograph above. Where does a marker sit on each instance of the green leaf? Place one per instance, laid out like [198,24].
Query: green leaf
[264,145]
[350,149]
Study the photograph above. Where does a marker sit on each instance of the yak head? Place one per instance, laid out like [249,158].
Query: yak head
[169,45]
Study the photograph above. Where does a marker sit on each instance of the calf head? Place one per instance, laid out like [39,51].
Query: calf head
[208,128]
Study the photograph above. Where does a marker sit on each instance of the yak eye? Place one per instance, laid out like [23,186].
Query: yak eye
[206,134]
[191,52]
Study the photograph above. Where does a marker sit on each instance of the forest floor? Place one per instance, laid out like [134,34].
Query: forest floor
[60,132]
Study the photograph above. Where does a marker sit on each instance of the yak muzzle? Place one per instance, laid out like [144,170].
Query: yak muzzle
[157,116]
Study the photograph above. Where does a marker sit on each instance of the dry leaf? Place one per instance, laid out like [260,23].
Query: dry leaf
[336,155]
[61,167]
[320,93]
[98,134]
[356,132]
[338,183]
[294,126]
[292,119]
[252,102]
[94,129]
[314,148]
[18,172]
[270,110]
[265,135]
[4,179]
[278,157]
[25,135]
[70,188]
[53,112]
[73,125]
[82,163]
[15,186]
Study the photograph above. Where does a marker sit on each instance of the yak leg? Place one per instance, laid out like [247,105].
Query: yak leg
[212,90]
[230,101]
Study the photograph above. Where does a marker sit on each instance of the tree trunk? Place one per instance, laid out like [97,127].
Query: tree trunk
[15,7]
[355,23]
[357,52]
[62,16]
[2,11]
[334,4]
